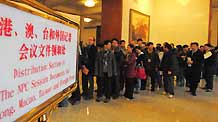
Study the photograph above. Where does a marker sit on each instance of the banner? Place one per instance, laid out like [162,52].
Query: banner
[38,60]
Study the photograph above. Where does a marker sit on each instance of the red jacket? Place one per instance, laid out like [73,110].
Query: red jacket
[131,66]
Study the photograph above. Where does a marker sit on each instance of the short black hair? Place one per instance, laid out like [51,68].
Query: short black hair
[158,44]
[179,46]
[138,47]
[208,45]
[167,45]
[185,46]
[115,39]
[121,41]
[150,43]
[131,46]
[139,40]
[194,43]
[106,42]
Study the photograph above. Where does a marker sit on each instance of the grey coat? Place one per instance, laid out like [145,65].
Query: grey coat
[111,67]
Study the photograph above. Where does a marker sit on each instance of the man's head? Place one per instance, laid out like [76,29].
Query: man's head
[107,44]
[115,42]
[207,47]
[194,46]
[91,40]
[158,45]
[167,47]
[130,48]
[139,42]
[122,43]
[150,46]
[185,48]
[138,49]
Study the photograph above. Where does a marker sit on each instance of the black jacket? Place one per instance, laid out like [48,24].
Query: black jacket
[140,58]
[89,55]
[169,63]
[194,71]
[210,64]
[151,61]
[120,58]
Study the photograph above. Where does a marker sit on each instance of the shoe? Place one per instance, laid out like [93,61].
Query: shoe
[164,93]
[208,90]
[99,99]
[152,90]
[115,97]
[188,91]
[106,100]
[170,96]
[128,99]
[193,94]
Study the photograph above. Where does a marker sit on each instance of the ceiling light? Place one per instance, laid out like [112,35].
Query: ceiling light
[90,3]
[87,20]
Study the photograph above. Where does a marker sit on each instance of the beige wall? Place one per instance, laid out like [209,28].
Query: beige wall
[143,6]
[86,33]
[177,21]
[214,26]
[87,30]
[180,21]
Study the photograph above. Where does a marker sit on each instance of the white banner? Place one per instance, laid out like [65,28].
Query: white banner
[38,60]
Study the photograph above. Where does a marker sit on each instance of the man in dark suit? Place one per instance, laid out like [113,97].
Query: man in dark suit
[88,65]
[195,59]
[209,66]
[151,64]
[119,57]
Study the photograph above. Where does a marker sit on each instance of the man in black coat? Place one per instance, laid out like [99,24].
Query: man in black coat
[119,57]
[151,64]
[209,66]
[88,64]
[195,59]
[168,66]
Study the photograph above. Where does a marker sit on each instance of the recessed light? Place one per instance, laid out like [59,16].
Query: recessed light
[87,20]
[90,3]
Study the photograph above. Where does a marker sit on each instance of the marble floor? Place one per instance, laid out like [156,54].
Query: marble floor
[147,107]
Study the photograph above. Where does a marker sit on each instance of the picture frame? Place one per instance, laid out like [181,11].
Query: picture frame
[139,26]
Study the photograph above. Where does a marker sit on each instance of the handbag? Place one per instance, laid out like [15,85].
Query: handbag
[140,72]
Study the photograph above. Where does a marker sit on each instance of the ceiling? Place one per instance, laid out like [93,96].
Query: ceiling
[75,7]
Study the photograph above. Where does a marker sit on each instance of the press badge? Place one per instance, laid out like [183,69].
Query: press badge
[149,60]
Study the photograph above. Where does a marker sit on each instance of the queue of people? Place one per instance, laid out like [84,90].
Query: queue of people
[125,71]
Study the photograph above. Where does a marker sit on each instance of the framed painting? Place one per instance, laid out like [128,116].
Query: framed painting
[139,26]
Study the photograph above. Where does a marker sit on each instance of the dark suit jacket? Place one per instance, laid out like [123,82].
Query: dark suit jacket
[169,63]
[194,72]
[210,65]
[89,55]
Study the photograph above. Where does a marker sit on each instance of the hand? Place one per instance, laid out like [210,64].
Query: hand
[183,57]
[190,62]
[169,72]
